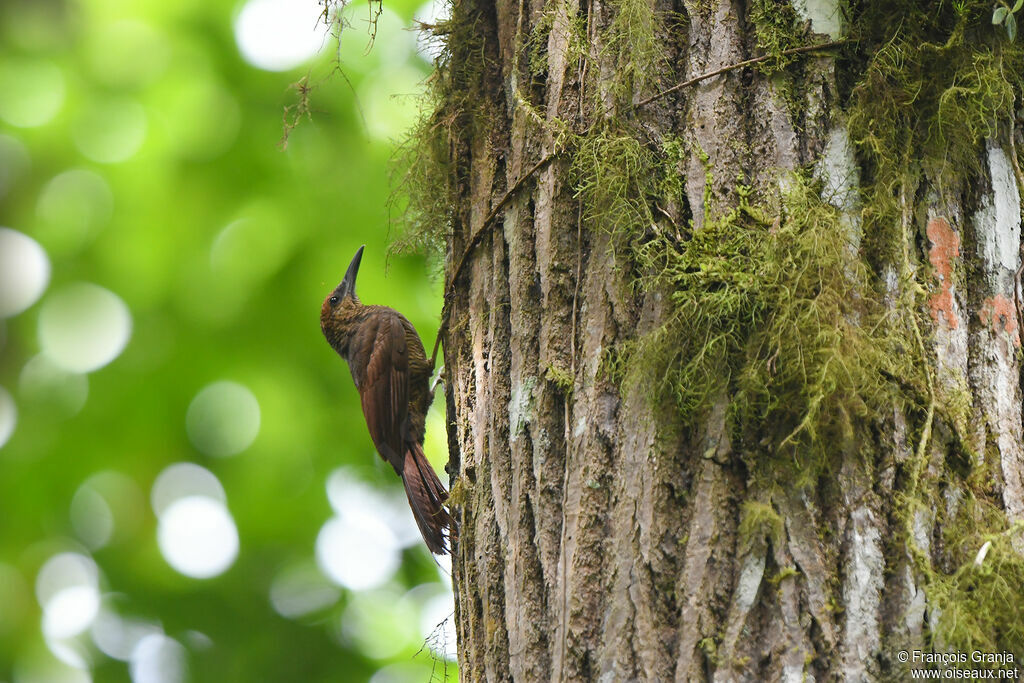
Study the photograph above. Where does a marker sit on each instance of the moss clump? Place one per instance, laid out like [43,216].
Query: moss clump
[979,605]
[561,378]
[759,522]
[936,79]
[459,493]
[428,164]
[771,307]
[631,42]
[782,575]
[778,28]
[611,172]
[426,190]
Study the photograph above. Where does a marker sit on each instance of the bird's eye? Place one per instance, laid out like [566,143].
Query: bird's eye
[334,300]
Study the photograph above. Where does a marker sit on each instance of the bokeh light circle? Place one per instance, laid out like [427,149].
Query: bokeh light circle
[24,272]
[111,130]
[354,500]
[33,92]
[117,637]
[301,590]
[67,587]
[8,416]
[198,537]
[223,419]
[44,382]
[157,658]
[83,327]
[277,35]
[183,479]
[72,208]
[91,517]
[358,557]
[71,611]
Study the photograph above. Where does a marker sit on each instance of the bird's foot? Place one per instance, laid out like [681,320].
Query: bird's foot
[437,380]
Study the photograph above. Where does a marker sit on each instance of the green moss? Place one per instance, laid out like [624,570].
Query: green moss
[631,42]
[561,378]
[778,28]
[710,649]
[979,606]
[425,193]
[783,574]
[460,492]
[428,164]
[759,522]
[612,173]
[937,81]
[771,308]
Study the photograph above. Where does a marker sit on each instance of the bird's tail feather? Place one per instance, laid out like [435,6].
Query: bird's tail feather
[426,498]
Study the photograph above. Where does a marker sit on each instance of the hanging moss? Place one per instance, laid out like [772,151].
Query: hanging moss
[427,165]
[937,80]
[979,604]
[611,173]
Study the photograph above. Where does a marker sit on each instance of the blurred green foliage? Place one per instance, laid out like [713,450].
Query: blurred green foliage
[144,154]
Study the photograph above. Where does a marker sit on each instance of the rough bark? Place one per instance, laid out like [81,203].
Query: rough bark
[599,538]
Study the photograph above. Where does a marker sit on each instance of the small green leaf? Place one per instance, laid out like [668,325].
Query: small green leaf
[999,15]
[1017,6]
[1011,26]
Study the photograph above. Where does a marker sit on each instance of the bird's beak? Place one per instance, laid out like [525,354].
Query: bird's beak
[349,283]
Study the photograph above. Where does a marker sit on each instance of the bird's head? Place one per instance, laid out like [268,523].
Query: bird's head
[340,305]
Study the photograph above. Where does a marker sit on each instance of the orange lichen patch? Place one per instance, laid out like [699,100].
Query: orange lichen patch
[998,311]
[945,247]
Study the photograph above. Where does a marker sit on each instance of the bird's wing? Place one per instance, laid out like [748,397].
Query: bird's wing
[384,387]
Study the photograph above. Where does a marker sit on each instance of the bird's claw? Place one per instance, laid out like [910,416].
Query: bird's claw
[437,380]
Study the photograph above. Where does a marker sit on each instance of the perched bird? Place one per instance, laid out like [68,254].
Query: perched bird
[392,373]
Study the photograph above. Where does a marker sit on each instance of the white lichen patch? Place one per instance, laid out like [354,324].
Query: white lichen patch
[839,173]
[998,223]
[824,15]
[861,593]
[520,407]
[840,176]
[913,617]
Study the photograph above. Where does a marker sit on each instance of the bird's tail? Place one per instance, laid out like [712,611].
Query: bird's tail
[426,498]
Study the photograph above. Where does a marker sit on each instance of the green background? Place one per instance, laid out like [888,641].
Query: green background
[180,137]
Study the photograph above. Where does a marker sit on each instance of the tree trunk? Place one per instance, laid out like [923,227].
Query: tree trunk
[733,368]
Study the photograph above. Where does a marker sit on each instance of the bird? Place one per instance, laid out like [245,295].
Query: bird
[392,375]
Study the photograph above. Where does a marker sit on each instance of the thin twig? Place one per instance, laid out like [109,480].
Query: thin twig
[738,65]
[475,239]
[486,224]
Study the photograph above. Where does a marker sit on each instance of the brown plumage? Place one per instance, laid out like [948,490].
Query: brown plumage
[392,374]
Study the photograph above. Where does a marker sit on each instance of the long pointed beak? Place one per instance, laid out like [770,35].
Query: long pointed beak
[353,269]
